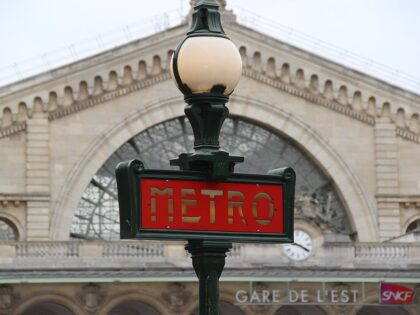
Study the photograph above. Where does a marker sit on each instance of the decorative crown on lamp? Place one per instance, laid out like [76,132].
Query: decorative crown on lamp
[206,61]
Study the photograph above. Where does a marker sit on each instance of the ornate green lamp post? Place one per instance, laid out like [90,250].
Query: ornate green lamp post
[157,204]
[206,67]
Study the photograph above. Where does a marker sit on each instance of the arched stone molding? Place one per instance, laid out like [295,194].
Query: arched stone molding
[301,309]
[228,296]
[361,213]
[15,224]
[142,296]
[193,305]
[43,297]
[100,149]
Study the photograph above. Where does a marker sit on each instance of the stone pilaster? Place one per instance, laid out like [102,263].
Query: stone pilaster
[387,179]
[37,176]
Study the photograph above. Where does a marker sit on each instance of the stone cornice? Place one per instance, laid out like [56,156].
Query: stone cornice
[407,134]
[304,93]
[17,199]
[144,78]
[405,201]
[167,272]
[314,98]
[95,100]
[313,58]
[12,129]
[108,56]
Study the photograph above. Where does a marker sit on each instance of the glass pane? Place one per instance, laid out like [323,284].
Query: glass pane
[7,233]
[414,226]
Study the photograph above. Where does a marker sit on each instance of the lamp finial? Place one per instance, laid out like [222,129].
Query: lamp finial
[221,3]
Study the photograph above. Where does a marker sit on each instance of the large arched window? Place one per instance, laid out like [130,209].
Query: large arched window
[47,308]
[8,231]
[413,226]
[133,308]
[382,310]
[300,310]
[97,214]
[225,308]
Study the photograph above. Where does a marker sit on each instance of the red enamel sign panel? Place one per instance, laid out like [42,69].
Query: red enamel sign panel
[185,205]
[211,206]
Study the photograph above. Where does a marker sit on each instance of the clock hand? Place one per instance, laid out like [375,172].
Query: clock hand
[303,247]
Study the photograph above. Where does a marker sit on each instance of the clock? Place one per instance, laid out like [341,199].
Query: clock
[301,248]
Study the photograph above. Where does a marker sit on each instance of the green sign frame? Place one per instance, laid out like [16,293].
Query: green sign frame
[129,174]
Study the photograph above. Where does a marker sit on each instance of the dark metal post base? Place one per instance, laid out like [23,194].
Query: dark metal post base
[208,261]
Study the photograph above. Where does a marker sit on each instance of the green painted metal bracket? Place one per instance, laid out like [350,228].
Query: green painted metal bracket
[206,113]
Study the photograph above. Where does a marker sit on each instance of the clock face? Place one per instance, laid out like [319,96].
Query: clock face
[301,249]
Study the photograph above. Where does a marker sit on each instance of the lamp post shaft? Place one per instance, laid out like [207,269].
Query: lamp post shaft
[208,259]
[206,112]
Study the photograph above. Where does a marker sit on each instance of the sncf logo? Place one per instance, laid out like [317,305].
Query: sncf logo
[396,294]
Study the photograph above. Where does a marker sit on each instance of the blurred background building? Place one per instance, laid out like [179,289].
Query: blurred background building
[353,139]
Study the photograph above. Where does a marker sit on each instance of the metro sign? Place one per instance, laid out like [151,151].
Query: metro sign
[156,204]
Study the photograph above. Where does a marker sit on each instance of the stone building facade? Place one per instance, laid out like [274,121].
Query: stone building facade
[354,141]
